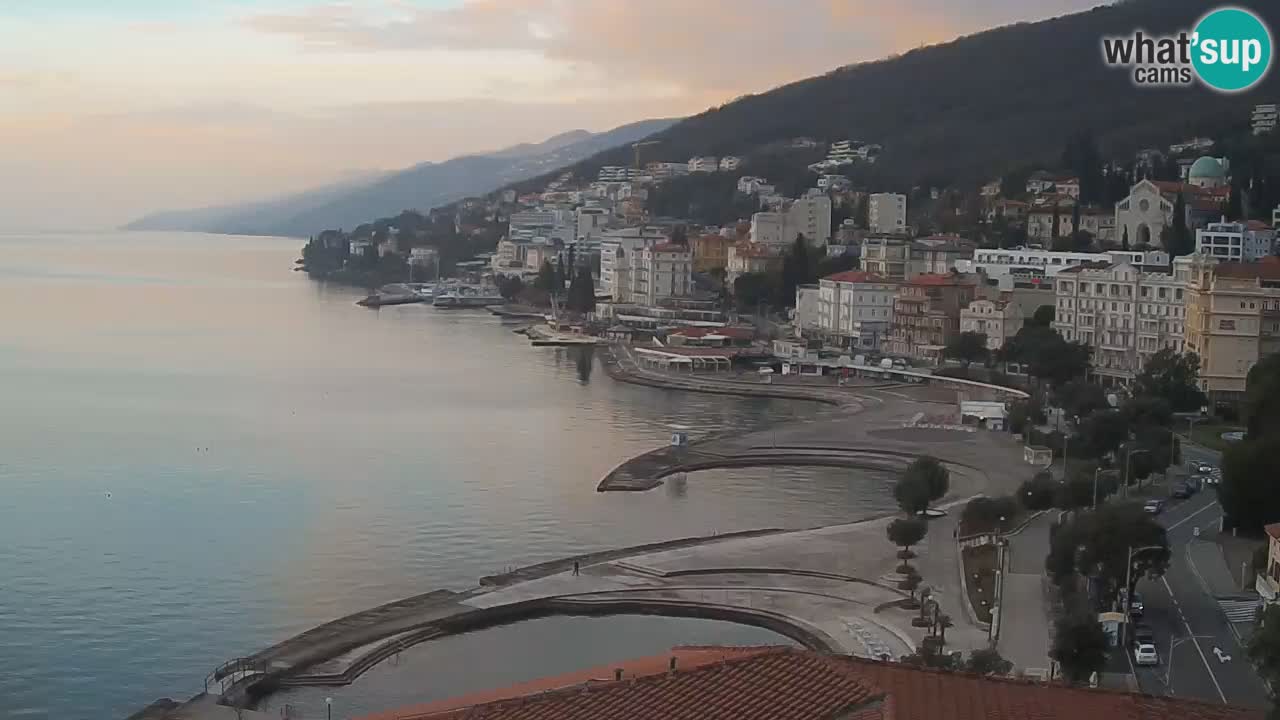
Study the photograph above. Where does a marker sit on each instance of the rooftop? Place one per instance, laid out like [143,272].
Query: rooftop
[935,279]
[855,276]
[1266,269]
[772,683]
[1273,530]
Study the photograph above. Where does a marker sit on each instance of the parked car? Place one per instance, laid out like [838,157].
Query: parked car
[1182,491]
[1136,608]
[1146,654]
[1142,635]
[1154,507]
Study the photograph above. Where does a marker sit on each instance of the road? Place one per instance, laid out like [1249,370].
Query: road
[1179,606]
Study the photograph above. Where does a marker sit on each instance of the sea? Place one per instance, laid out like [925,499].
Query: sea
[203,452]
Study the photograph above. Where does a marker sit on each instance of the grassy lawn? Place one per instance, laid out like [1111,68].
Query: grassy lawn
[980,578]
[1210,436]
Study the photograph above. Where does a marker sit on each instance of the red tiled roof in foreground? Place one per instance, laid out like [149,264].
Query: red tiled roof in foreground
[1273,530]
[855,276]
[791,684]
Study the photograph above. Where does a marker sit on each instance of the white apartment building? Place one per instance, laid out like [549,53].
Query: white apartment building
[591,221]
[806,313]
[997,319]
[855,309]
[616,173]
[665,170]
[544,227]
[1234,242]
[729,163]
[1124,314]
[1264,118]
[887,213]
[616,249]
[810,216]
[708,164]
[661,271]
[1007,266]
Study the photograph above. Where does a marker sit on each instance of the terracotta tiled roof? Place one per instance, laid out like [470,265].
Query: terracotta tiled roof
[669,247]
[776,685]
[935,279]
[1273,530]
[793,684]
[1249,271]
[920,694]
[855,276]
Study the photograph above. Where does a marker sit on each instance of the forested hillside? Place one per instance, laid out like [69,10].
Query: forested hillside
[973,108]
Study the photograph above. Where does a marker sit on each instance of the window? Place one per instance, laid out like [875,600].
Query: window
[1226,324]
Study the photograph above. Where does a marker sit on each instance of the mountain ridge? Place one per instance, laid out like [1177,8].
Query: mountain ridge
[421,186]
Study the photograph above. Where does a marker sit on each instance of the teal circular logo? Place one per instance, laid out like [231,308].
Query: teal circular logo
[1231,49]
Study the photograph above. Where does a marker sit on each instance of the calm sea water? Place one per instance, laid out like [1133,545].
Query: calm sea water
[202,452]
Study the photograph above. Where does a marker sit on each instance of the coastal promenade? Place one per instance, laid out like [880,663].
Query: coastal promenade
[831,588]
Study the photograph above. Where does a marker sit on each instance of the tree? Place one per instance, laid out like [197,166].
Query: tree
[862,213]
[968,347]
[1080,646]
[1262,397]
[1075,227]
[905,532]
[912,493]
[1074,493]
[1250,487]
[1047,355]
[1100,433]
[1263,647]
[1043,316]
[510,286]
[934,474]
[799,267]
[984,514]
[1038,493]
[1124,239]
[750,290]
[546,281]
[1177,237]
[1080,398]
[987,661]
[1097,544]
[1174,377]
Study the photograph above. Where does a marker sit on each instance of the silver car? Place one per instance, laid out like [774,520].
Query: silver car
[1145,654]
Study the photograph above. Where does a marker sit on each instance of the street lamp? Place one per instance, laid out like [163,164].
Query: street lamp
[1096,473]
[328,708]
[1173,643]
[1065,437]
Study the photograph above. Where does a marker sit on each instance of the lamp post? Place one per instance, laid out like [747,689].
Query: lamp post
[1066,436]
[328,708]
[1173,643]
[1096,473]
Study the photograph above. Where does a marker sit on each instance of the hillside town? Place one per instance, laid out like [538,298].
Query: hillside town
[1171,264]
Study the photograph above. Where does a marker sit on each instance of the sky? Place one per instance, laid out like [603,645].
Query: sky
[110,109]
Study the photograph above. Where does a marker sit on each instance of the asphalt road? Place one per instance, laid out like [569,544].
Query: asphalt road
[1179,609]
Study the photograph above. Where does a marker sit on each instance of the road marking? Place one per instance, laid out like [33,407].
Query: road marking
[1196,642]
[1210,506]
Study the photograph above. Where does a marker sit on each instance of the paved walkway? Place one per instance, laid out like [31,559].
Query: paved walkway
[1025,616]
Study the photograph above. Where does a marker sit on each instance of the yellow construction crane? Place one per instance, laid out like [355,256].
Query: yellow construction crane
[644,143]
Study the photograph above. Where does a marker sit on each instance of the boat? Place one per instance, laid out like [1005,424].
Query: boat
[467,297]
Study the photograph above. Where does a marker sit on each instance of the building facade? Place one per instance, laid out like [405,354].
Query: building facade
[937,254]
[886,255]
[710,251]
[1144,214]
[1124,314]
[887,213]
[1234,242]
[855,309]
[1233,320]
[926,315]
[748,257]
[616,249]
[997,319]
[661,271]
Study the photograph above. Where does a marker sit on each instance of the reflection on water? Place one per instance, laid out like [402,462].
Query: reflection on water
[205,453]
[503,656]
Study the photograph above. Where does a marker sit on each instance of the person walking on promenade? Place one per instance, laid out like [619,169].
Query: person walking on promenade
[575,568]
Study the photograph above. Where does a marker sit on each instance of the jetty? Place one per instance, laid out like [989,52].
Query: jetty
[395,294]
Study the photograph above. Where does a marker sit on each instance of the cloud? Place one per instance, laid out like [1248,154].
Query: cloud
[710,48]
